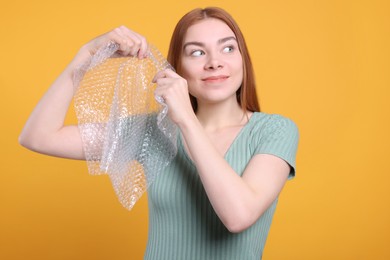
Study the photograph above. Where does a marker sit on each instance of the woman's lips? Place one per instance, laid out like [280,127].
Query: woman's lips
[218,78]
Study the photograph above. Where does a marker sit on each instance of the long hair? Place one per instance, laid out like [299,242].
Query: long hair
[246,94]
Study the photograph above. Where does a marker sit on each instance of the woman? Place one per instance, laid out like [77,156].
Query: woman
[217,197]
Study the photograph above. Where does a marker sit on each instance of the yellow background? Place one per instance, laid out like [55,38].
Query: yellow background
[323,63]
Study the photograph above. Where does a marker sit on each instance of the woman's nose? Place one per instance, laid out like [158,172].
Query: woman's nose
[213,63]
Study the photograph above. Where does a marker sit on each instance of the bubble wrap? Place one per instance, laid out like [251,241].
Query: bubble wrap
[125,130]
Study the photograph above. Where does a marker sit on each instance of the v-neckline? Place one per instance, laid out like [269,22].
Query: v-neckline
[183,148]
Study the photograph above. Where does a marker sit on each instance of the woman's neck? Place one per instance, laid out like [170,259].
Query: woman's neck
[217,116]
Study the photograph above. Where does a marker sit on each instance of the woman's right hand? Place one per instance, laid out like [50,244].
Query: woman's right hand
[130,44]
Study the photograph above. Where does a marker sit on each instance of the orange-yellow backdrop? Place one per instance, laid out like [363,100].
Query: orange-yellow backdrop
[323,63]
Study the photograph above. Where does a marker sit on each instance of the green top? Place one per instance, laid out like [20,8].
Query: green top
[182,223]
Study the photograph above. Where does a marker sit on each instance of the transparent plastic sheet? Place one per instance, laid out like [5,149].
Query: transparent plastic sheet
[125,130]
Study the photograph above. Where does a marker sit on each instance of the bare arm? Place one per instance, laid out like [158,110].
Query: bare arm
[44,131]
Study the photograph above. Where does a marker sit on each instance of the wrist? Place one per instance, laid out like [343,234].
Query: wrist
[81,57]
[190,123]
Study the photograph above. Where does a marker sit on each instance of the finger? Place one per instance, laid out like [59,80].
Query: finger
[138,42]
[163,83]
[124,42]
[161,88]
[167,73]
[144,49]
[114,36]
[171,74]
[128,41]
[143,46]
[159,75]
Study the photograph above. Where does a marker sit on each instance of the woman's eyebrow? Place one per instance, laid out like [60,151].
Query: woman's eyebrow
[201,44]
[193,43]
[223,40]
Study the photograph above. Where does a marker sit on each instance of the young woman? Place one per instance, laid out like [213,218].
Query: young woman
[217,197]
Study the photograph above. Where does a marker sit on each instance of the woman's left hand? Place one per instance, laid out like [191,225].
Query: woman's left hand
[174,90]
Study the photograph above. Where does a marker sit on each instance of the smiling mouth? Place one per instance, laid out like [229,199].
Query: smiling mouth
[216,78]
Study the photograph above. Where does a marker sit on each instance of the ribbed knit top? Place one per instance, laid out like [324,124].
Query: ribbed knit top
[182,223]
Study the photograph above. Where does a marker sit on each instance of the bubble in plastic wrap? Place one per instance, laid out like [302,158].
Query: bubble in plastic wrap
[125,130]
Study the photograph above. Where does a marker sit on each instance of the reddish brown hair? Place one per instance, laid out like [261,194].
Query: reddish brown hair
[246,94]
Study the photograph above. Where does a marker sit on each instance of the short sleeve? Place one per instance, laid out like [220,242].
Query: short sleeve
[279,136]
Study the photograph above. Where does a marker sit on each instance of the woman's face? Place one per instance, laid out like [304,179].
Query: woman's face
[211,61]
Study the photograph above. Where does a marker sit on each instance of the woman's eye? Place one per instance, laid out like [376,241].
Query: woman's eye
[228,49]
[197,53]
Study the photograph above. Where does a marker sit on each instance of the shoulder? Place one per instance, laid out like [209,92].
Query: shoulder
[276,135]
[272,124]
